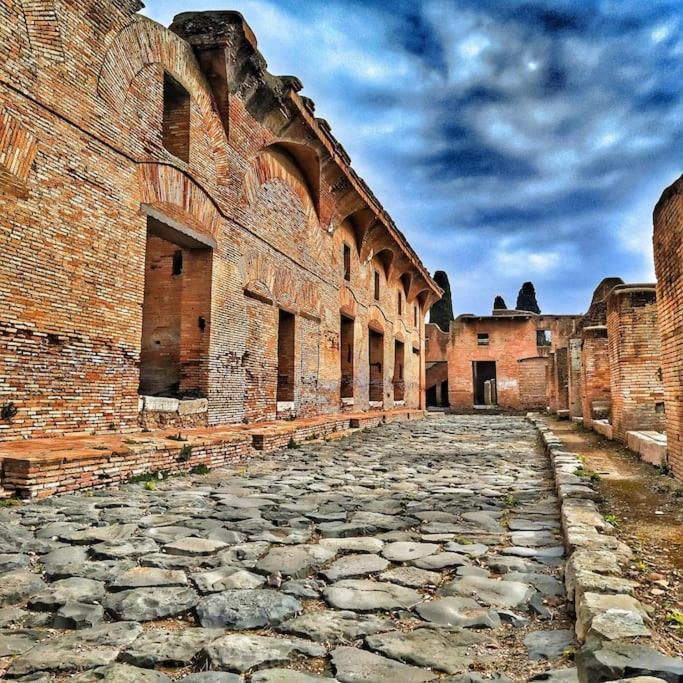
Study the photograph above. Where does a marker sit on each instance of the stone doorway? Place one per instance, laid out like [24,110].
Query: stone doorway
[285,357]
[346,351]
[176,313]
[484,380]
[376,362]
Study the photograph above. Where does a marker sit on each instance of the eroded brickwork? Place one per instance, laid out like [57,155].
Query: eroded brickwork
[637,392]
[668,252]
[109,121]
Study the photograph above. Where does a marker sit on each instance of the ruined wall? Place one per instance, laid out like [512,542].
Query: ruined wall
[635,360]
[596,393]
[90,149]
[533,386]
[574,377]
[668,252]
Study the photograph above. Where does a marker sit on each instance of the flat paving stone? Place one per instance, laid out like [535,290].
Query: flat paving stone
[244,609]
[352,665]
[240,653]
[332,626]
[146,604]
[365,595]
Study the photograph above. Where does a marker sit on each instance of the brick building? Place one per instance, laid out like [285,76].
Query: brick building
[183,242]
[506,359]
[668,253]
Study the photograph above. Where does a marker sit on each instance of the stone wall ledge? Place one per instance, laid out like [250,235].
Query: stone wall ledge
[650,446]
[611,625]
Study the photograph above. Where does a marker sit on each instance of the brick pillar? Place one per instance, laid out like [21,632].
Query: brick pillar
[634,355]
[668,252]
[574,377]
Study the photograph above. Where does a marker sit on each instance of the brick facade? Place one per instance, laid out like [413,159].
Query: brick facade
[124,143]
[637,391]
[668,253]
[515,342]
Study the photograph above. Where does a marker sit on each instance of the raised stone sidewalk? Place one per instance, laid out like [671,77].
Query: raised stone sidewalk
[42,467]
[611,624]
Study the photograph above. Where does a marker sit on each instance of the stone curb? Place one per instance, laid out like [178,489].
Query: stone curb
[611,625]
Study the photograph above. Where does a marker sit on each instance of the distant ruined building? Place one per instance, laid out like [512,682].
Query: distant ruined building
[499,304]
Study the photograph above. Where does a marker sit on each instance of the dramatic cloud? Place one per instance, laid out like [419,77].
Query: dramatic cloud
[511,140]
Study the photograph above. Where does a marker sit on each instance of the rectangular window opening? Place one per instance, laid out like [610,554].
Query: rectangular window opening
[176,119]
[544,338]
[400,304]
[347,262]
[376,286]
[483,339]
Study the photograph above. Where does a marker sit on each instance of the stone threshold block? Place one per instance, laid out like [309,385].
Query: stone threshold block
[650,446]
[604,428]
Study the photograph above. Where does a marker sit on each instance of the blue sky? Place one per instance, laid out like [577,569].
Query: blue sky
[511,140]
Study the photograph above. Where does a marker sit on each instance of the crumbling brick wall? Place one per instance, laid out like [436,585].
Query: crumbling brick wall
[263,187]
[635,360]
[668,252]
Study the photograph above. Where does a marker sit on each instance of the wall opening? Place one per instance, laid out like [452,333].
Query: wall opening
[376,360]
[176,119]
[484,380]
[285,356]
[483,339]
[399,362]
[544,338]
[347,262]
[176,312]
[346,351]
[376,283]
[399,305]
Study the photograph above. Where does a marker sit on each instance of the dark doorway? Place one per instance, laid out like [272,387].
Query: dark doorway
[484,371]
[399,360]
[176,312]
[376,360]
[285,356]
[346,351]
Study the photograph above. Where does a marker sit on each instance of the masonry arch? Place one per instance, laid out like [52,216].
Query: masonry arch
[166,190]
[296,165]
[143,42]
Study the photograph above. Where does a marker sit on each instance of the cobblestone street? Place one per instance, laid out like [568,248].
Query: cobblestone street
[412,552]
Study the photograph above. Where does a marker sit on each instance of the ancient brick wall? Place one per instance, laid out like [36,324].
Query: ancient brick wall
[596,394]
[248,184]
[635,360]
[533,384]
[668,252]
[574,377]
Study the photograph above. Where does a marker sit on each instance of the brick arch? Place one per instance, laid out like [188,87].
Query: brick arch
[144,42]
[283,286]
[175,194]
[276,163]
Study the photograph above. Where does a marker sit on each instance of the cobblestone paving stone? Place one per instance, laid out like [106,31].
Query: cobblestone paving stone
[412,552]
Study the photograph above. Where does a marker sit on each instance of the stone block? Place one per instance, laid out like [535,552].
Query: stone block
[604,428]
[593,604]
[161,404]
[193,406]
